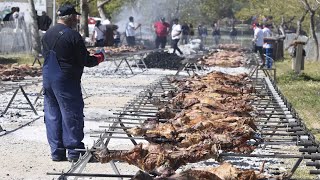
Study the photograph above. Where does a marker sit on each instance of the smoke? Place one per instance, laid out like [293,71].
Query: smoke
[147,12]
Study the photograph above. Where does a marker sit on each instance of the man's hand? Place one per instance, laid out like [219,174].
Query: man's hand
[99,56]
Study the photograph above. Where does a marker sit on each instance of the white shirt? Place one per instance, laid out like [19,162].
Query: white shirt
[130,29]
[266,32]
[258,36]
[176,31]
[99,32]
[106,22]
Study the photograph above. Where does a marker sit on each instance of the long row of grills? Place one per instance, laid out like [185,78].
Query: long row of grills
[229,55]
[207,115]
[205,118]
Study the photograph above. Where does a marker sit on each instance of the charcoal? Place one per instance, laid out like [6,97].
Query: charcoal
[163,60]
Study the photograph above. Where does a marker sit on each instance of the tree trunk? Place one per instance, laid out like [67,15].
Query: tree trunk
[84,18]
[281,28]
[36,44]
[299,24]
[100,4]
[313,32]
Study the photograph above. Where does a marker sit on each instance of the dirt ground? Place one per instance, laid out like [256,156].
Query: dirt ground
[24,149]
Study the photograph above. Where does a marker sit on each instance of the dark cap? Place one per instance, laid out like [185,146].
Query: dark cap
[67,10]
[163,19]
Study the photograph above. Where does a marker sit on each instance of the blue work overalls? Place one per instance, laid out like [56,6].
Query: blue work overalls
[63,106]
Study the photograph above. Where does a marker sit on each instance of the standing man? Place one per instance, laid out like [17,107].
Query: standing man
[216,33]
[258,41]
[175,34]
[162,30]
[185,33]
[267,45]
[98,35]
[8,17]
[130,32]
[266,31]
[44,21]
[65,57]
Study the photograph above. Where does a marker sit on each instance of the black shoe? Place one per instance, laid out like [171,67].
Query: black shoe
[59,159]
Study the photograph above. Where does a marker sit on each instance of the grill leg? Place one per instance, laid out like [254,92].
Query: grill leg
[38,97]
[29,102]
[14,95]
[295,167]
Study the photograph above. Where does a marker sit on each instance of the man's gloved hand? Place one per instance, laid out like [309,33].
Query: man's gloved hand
[99,56]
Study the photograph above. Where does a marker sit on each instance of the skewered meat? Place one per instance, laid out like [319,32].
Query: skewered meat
[225,58]
[229,134]
[160,159]
[222,172]
[18,72]
[233,47]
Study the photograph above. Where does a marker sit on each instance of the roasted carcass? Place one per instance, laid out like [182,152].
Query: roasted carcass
[230,134]
[223,172]
[160,159]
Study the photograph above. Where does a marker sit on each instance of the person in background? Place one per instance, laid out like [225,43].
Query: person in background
[185,33]
[18,18]
[267,46]
[65,56]
[161,29]
[233,34]
[175,35]
[131,31]
[266,31]
[216,33]
[203,33]
[8,17]
[44,21]
[117,36]
[109,35]
[258,41]
[191,34]
[98,34]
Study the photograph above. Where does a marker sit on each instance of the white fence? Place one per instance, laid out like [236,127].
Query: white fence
[15,38]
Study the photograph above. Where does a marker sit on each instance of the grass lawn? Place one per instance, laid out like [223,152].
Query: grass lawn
[303,92]
[16,58]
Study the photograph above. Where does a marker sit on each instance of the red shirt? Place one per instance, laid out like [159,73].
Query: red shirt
[161,28]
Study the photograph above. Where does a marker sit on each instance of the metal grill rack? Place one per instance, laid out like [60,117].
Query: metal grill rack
[279,125]
[7,86]
[124,58]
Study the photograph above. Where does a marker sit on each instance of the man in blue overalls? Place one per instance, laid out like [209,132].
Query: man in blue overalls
[65,57]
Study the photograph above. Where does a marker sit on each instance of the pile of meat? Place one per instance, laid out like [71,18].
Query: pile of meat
[116,50]
[163,60]
[14,72]
[206,114]
[222,172]
[225,58]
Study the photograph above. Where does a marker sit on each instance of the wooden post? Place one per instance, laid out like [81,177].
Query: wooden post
[298,60]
